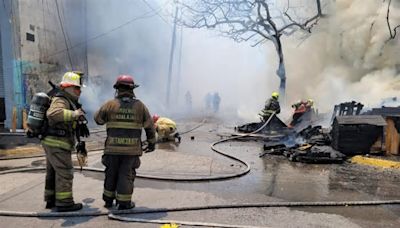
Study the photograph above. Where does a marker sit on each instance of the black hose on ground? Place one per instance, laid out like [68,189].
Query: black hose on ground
[237,137]
[112,214]
[92,132]
[194,128]
[138,175]
[199,208]
[187,223]
[152,177]
[43,155]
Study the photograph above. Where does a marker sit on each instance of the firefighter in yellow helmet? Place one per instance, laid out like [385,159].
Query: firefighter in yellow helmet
[271,106]
[125,116]
[302,109]
[166,129]
[59,142]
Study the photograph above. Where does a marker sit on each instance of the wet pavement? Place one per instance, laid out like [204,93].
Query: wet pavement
[271,179]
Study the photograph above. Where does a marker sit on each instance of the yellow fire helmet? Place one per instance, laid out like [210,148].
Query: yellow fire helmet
[71,79]
[275,95]
[311,102]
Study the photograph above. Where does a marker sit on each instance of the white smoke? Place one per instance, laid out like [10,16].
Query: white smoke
[348,57]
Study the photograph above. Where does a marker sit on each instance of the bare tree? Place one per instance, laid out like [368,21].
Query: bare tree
[251,20]
[392,32]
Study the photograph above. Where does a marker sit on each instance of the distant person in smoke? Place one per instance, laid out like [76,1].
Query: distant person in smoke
[216,101]
[165,129]
[271,106]
[188,101]
[208,99]
[302,109]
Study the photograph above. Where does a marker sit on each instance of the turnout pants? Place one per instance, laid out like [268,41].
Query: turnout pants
[120,174]
[59,176]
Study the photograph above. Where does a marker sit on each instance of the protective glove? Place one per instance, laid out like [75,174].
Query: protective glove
[30,133]
[82,130]
[81,153]
[78,113]
[150,147]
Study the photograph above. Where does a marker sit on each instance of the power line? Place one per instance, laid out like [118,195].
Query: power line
[62,29]
[148,14]
[45,49]
[66,28]
[158,14]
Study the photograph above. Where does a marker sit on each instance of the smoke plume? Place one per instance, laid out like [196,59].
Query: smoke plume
[348,57]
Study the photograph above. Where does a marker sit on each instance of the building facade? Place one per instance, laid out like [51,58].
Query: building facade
[39,41]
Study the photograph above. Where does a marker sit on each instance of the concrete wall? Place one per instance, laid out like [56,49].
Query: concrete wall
[35,49]
[46,58]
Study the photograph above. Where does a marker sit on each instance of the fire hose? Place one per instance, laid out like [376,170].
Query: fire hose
[91,132]
[113,214]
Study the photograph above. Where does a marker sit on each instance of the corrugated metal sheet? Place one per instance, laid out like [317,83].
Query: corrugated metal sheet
[375,120]
[385,111]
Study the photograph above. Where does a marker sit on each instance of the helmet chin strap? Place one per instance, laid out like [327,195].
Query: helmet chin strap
[70,91]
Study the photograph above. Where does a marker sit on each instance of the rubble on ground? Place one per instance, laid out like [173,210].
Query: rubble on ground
[352,132]
[314,147]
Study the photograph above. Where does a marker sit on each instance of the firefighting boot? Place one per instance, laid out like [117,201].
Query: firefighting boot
[108,204]
[73,207]
[50,204]
[126,206]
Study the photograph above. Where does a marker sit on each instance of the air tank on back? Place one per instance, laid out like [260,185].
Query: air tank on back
[37,112]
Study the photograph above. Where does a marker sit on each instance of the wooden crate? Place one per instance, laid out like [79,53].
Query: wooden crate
[392,136]
[356,134]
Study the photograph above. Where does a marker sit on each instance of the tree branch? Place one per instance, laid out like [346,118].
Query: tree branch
[394,32]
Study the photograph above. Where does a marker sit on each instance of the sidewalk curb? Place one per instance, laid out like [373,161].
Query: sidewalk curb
[381,163]
[23,150]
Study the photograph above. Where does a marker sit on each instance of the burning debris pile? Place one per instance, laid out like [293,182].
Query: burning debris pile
[310,145]
[352,133]
[314,147]
[274,125]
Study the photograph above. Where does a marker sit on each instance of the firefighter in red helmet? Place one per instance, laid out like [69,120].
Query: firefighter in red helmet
[165,129]
[124,117]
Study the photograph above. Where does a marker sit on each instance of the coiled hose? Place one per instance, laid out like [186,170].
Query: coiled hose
[113,214]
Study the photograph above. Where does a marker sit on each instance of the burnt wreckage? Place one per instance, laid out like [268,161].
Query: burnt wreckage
[351,133]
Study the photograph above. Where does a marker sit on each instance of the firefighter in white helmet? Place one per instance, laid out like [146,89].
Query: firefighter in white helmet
[59,142]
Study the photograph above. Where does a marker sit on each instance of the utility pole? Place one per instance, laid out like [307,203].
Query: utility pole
[86,65]
[171,57]
[178,76]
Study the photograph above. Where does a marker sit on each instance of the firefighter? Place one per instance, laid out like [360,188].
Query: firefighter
[300,109]
[124,116]
[216,101]
[59,143]
[271,106]
[166,129]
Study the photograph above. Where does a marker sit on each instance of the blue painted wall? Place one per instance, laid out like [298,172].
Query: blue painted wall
[8,62]
[12,77]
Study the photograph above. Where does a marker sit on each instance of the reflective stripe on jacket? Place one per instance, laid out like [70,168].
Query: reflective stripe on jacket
[124,118]
[60,117]
[57,142]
